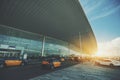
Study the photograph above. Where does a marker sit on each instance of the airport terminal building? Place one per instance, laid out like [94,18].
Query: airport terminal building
[44,27]
[14,41]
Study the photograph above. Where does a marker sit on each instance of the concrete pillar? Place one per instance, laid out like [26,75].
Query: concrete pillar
[43,46]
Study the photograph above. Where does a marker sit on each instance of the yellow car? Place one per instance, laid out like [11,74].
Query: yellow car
[11,62]
[51,63]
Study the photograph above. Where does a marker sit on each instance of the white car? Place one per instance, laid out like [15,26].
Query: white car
[108,62]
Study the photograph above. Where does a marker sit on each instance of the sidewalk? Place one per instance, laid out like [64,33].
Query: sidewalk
[80,72]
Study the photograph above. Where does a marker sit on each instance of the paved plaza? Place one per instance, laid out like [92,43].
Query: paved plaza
[82,72]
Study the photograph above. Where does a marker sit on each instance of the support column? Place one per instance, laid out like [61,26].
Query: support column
[43,46]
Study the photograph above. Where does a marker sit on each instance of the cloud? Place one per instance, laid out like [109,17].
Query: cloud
[99,9]
[89,6]
[111,48]
[107,11]
[89,9]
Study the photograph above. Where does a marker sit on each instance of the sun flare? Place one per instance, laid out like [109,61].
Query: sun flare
[99,53]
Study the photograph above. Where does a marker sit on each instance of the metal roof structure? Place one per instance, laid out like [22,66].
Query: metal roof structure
[61,19]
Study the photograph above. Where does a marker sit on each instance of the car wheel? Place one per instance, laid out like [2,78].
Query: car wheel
[1,65]
[111,65]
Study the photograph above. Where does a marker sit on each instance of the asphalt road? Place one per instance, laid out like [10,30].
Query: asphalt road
[85,71]
[68,71]
[28,71]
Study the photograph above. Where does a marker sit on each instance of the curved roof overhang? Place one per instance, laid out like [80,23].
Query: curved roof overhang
[61,19]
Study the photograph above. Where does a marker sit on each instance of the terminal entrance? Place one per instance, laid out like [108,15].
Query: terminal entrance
[9,53]
[10,57]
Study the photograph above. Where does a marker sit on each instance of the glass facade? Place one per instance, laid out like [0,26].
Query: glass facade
[29,43]
[55,46]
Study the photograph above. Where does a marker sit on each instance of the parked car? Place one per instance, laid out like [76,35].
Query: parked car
[51,63]
[71,58]
[108,62]
[11,62]
[78,59]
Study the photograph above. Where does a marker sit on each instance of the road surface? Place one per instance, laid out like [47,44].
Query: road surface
[84,71]
[28,71]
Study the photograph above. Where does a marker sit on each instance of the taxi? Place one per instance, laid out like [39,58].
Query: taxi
[51,63]
[11,62]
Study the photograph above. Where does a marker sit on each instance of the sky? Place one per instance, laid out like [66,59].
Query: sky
[104,18]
